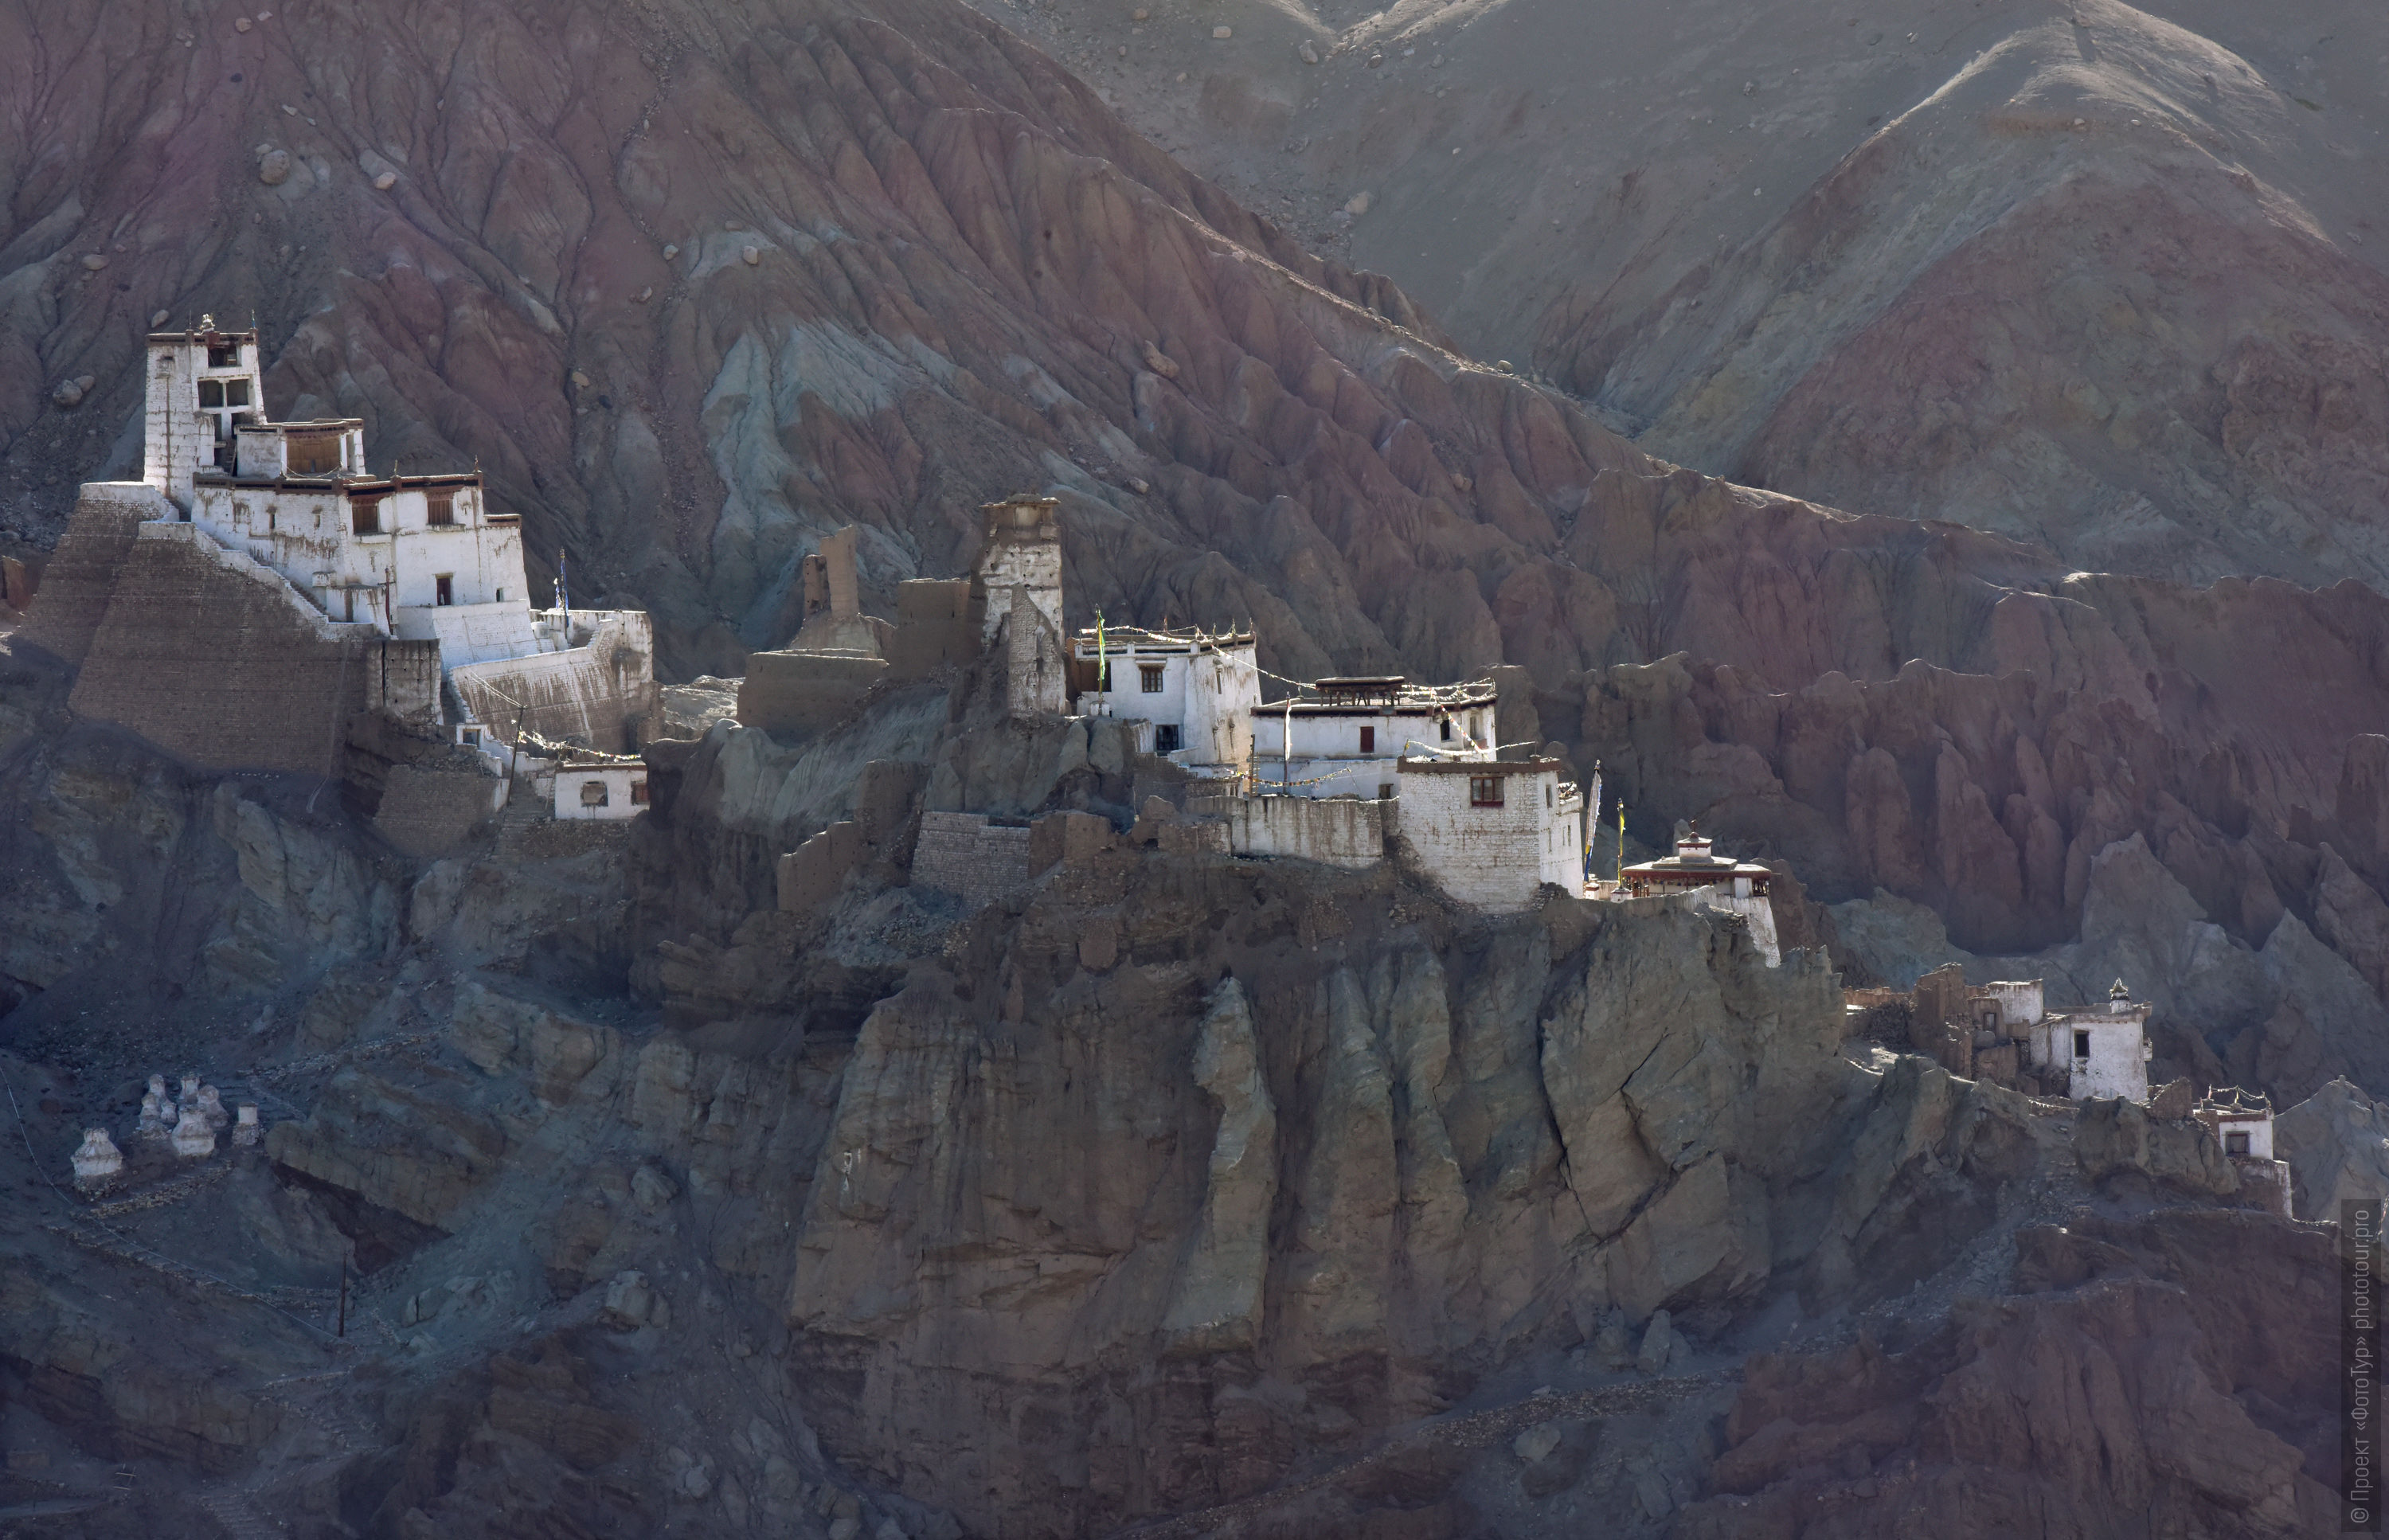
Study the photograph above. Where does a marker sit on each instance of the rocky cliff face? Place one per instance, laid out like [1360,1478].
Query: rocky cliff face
[1179,1188]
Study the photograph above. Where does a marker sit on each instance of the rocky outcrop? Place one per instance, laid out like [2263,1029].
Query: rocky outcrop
[2337,1146]
[2176,1365]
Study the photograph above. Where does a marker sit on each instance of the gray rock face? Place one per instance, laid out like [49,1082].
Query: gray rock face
[2337,1146]
[2116,1136]
[1216,1303]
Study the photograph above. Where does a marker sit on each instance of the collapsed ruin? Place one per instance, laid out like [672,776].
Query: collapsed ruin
[262,600]
[2003,1033]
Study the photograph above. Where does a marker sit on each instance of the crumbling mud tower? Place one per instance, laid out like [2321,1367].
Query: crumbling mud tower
[1018,602]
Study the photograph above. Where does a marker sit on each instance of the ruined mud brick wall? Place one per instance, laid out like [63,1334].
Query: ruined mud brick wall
[216,660]
[804,692]
[81,578]
[966,855]
[933,629]
[20,577]
[429,810]
[402,680]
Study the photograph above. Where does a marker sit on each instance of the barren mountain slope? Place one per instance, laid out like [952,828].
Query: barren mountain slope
[968,277]
[2105,278]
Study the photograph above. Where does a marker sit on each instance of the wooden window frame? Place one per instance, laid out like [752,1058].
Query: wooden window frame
[1487,791]
[1152,678]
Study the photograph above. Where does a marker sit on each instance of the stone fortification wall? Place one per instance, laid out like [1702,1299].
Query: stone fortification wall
[971,857]
[81,577]
[215,659]
[1348,831]
[799,693]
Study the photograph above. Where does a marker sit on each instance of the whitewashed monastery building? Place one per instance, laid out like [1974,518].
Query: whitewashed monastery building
[260,591]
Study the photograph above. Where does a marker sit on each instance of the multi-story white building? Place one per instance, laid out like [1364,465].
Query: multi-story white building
[1349,741]
[418,558]
[1196,689]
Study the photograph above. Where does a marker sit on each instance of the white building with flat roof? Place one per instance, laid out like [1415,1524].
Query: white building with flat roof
[1350,739]
[1492,832]
[418,558]
[2099,1052]
[1197,690]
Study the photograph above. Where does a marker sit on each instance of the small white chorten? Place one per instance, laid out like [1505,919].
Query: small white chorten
[193,1139]
[246,1130]
[153,1117]
[98,1160]
[212,1107]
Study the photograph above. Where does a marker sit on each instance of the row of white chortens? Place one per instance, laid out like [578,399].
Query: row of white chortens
[191,1126]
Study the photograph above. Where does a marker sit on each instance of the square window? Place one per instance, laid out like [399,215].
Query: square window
[226,357]
[638,794]
[365,517]
[1484,790]
[438,506]
[1165,738]
[443,588]
[211,392]
[2235,1144]
[593,794]
[1150,675]
[2082,1045]
[236,392]
[1368,740]
[1384,791]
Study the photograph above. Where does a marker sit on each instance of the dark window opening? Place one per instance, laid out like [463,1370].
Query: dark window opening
[1484,790]
[438,506]
[348,603]
[2235,1144]
[638,794]
[593,794]
[1384,791]
[226,357]
[443,588]
[1368,740]
[1149,674]
[1547,797]
[364,517]
[1446,726]
[210,392]
[1165,738]
[2082,1045]
[236,392]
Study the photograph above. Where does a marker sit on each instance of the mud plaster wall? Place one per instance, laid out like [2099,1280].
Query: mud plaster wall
[804,692]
